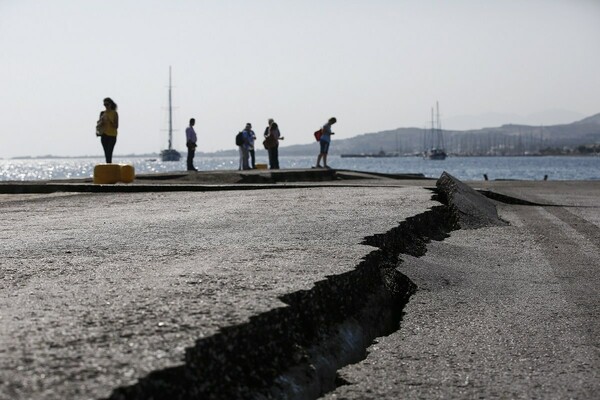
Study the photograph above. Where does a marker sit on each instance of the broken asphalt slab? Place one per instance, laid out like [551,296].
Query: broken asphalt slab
[100,290]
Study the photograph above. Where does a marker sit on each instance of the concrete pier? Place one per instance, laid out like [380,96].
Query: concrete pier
[297,284]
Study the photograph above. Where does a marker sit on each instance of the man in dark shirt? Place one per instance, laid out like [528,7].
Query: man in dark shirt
[191,140]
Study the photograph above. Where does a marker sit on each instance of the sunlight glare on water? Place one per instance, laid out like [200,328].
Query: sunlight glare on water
[466,168]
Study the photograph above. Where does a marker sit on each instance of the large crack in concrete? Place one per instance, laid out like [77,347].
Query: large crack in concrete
[295,351]
[380,315]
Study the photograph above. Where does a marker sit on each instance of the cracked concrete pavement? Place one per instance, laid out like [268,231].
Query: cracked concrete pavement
[98,290]
[500,312]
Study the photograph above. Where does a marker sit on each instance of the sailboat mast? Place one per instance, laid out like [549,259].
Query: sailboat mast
[440,143]
[436,152]
[170,113]
[170,154]
[437,112]
[433,144]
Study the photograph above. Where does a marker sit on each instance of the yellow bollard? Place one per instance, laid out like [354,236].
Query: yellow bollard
[113,173]
[127,173]
[107,173]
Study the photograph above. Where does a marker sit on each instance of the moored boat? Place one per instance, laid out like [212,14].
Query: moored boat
[434,150]
[170,154]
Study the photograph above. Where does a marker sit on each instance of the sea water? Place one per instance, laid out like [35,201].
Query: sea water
[465,168]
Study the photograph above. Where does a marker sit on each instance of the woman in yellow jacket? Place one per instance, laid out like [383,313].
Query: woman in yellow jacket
[109,122]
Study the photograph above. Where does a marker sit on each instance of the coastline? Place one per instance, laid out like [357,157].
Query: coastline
[232,153]
[464,168]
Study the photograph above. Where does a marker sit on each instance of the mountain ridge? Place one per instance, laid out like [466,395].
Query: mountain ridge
[514,137]
[492,119]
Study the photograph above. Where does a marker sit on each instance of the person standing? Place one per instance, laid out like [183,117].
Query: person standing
[324,142]
[107,127]
[251,139]
[191,143]
[244,146]
[272,138]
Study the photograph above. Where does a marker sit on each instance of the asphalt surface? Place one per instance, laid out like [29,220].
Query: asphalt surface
[99,290]
[501,312]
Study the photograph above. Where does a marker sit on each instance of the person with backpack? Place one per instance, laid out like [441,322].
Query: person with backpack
[239,141]
[191,140]
[242,140]
[271,143]
[106,128]
[325,141]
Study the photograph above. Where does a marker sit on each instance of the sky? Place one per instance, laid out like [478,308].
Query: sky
[374,64]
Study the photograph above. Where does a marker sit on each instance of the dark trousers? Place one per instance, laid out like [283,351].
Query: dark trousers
[274,157]
[108,144]
[252,159]
[190,157]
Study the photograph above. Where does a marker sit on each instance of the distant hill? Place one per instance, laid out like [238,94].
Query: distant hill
[506,139]
[472,122]
[594,119]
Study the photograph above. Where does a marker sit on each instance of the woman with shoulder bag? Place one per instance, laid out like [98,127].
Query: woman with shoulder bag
[271,143]
[107,127]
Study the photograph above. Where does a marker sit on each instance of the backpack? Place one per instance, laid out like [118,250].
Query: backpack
[318,134]
[239,139]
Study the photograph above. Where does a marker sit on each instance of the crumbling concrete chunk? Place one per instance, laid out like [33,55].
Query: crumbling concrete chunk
[472,209]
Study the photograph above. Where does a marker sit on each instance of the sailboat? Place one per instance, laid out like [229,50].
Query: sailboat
[170,154]
[435,150]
